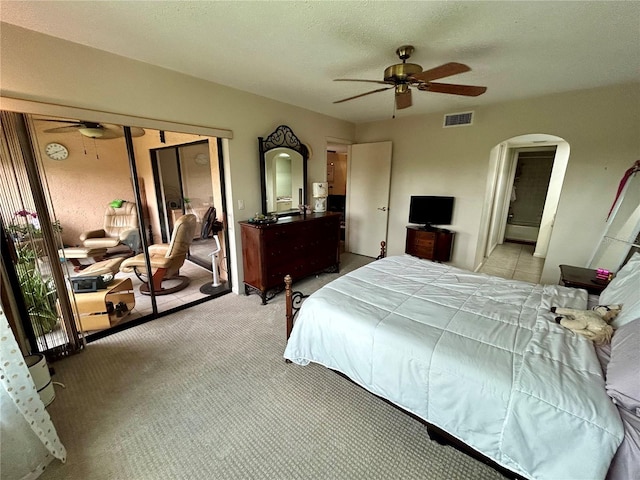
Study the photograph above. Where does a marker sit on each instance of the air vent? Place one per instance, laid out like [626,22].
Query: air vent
[458,119]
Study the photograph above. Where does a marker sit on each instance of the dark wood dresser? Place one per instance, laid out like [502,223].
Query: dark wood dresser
[298,246]
[429,244]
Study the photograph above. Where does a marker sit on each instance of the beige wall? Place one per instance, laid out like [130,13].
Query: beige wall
[42,68]
[97,172]
[81,187]
[600,125]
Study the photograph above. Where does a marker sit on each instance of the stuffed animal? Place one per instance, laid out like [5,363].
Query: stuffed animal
[593,324]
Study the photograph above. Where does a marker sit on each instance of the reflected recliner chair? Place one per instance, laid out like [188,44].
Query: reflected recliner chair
[166,259]
[120,227]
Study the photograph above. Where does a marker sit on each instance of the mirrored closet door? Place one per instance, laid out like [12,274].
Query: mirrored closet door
[621,237]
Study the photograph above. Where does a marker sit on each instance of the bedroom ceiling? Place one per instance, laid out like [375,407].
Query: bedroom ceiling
[292,51]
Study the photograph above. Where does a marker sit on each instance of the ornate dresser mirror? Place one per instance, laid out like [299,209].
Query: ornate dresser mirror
[283,172]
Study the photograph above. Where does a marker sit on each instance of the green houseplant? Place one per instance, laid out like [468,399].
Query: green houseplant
[39,293]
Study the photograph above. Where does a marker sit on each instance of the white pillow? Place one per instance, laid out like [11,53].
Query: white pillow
[624,289]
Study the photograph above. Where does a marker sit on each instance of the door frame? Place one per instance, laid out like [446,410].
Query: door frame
[500,177]
[160,195]
[339,142]
[513,156]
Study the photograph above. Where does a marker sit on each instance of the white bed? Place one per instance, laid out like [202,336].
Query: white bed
[477,356]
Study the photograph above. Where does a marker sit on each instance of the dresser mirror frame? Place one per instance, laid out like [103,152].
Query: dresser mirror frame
[280,144]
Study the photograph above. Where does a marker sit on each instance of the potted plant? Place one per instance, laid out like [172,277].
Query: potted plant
[39,292]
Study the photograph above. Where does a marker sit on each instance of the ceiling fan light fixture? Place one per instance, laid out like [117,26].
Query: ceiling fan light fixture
[402,76]
[91,132]
[400,71]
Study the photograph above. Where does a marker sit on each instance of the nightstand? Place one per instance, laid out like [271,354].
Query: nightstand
[578,277]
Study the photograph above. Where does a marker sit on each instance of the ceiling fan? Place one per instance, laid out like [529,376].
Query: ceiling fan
[99,131]
[402,76]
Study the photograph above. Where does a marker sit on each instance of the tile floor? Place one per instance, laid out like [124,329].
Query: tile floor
[198,276]
[514,260]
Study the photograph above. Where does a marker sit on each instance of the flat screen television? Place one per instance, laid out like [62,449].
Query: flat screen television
[429,210]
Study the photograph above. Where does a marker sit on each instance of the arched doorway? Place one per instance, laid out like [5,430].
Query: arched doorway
[501,195]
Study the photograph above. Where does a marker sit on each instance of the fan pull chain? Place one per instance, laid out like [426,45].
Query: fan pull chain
[95,146]
[394,108]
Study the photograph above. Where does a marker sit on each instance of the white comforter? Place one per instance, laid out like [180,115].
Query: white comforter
[475,355]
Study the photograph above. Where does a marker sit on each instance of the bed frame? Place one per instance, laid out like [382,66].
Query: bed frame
[294,299]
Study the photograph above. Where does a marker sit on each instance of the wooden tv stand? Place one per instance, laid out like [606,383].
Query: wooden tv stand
[433,244]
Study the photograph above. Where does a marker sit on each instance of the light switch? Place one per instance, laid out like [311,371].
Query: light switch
[240,204]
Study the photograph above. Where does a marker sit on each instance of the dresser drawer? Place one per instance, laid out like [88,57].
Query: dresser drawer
[423,242]
[422,252]
[299,247]
[429,244]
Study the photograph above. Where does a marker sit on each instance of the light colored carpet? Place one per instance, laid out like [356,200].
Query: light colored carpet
[206,394]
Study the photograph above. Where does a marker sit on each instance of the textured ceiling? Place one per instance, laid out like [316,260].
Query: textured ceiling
[292,51]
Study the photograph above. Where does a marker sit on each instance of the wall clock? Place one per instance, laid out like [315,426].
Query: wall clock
[202,159]
[56,151]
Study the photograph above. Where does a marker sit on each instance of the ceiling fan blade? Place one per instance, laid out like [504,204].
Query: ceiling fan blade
[137,131]
[442,71]
[363,94]
[73,122]
[69,129]
[382,82]
[116,131]
[467,90]
[109,131]
[99,131]
[403,100]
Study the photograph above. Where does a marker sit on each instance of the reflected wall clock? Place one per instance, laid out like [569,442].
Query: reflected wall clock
[56,151]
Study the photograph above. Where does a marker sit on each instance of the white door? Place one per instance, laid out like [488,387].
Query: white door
[368,197]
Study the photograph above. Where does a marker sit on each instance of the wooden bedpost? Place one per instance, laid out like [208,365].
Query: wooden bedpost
[293,301]
[288,301]
[383,250]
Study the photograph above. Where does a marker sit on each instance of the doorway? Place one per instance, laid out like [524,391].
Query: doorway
[530,183]
[500,194]
[365,202]
[187,181]
[337,161]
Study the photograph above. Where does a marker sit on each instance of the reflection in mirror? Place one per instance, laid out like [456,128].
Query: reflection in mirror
[189,180]
[621,238]
[283,179]
[283,167]
[184,184]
